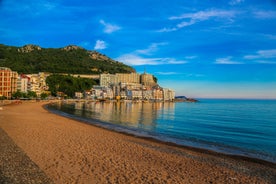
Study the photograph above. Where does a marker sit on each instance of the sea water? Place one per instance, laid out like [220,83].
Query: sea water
[237,127]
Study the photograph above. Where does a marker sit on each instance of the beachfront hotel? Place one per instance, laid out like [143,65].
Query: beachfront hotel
[8,82]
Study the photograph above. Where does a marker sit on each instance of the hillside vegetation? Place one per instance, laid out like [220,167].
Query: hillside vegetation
[70,59]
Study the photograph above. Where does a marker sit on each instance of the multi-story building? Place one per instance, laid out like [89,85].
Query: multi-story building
[23,83]
[131,86]
[147,80]
[107,79]
[102,92]
[147,94]
[38,83]
[169,94]
[115,79]
[157,94]
[127,78]
[134,94]
[8,82]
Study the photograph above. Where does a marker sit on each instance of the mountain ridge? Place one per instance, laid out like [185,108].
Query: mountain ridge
[70,59]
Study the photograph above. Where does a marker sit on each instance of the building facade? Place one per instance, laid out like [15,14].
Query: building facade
[8,82]
[147,80]
[133,86]
[37,83]
[23,83]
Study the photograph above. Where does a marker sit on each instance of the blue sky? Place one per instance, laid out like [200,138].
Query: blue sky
[222,49]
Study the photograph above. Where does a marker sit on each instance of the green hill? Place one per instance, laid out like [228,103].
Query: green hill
[71,59]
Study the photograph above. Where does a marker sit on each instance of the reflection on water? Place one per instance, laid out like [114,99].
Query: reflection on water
[243,127]
[138,115]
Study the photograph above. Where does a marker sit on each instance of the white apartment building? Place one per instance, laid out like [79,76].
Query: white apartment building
[168,94]
[23,83]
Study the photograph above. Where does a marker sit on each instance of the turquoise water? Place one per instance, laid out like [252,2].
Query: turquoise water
[238,127]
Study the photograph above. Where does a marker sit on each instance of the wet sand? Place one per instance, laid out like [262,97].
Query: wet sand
[68,151]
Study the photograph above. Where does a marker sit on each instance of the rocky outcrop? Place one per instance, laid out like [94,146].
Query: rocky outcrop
[71,47]
[98,56]
[29,48]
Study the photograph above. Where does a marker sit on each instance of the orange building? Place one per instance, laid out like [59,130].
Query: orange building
[8,82]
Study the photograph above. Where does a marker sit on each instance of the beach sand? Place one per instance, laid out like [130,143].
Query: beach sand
[68,151]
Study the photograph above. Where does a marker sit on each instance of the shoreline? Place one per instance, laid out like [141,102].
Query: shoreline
[71,151]
[131,132]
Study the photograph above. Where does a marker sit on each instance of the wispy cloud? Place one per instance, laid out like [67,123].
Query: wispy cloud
[197,75]
[134,59]
[265,62]
[109,28]
[167,73]
[100,45]
[227,61]
[269,36]
[205,15]
[262,14]
[142,56]
[193,18]
[262,54]
[235,2]
[151,48]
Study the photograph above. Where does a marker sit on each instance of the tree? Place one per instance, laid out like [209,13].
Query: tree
[43,96]
[18,94]
[155,79]
[31,94]
[68,84]
[3,98]
[59,60]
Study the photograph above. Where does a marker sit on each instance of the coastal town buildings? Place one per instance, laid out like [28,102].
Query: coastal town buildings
[37,83]
[119,86]
[131,86]
[8,82]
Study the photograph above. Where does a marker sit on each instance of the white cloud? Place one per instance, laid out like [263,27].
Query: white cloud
[269,36]
[167,73]
[185,24]
[109,28]
[228,60]
[164,30]
[151,48]
[262,14]
[134,59]
[100,45]
[193,18]
[235,2]
[265,62]
[205,15]
[142,57]
[262,54]
[174,61]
